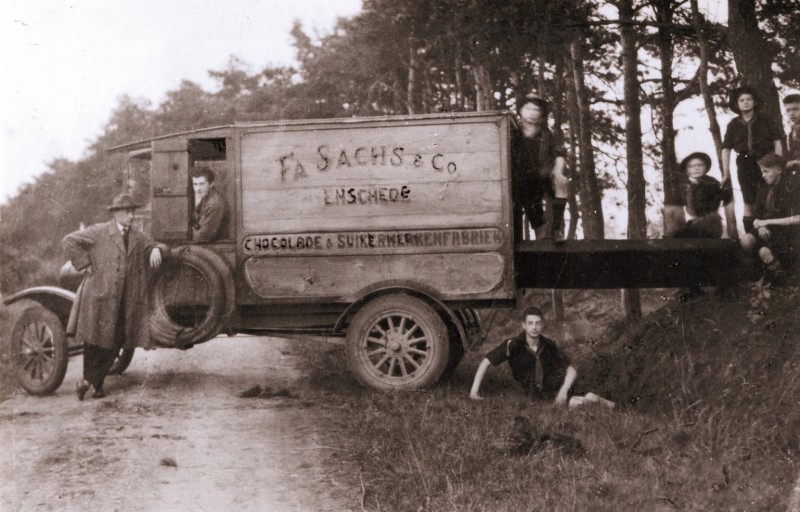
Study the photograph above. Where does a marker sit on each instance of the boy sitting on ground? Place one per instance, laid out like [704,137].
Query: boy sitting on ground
[536,362]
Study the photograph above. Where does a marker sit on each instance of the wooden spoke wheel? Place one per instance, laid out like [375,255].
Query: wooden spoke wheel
[37,348]
[397,342]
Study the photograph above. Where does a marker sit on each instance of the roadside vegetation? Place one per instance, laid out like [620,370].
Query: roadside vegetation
[707,417]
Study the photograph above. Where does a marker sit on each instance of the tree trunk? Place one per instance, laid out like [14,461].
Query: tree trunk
[637,222]
[591,205]
[412,94]
[674,217]
[459,75]
[708,101]
[541,83]
[483,88]
[561,107]
[754,55]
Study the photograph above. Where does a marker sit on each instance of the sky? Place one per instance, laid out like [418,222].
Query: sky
[67,62]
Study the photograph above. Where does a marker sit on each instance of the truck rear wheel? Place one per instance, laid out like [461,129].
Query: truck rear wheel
[37,348]
[397,342]
[192,297]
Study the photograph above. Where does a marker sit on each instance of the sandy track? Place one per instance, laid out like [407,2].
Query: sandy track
[231,453]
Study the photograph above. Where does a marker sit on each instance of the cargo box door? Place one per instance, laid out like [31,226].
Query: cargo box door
[170,185]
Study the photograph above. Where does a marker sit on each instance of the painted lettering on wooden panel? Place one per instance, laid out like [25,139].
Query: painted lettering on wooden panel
[372,178]
[296,167]
[365,242]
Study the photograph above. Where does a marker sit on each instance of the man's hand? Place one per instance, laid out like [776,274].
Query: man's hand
[155,258]
[763,232]
[561,398]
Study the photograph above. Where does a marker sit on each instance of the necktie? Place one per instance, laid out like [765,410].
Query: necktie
[749,125]
[539,377]
[769,205]
[125,237]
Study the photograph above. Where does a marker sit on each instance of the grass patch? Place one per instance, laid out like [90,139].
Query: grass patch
[708,419]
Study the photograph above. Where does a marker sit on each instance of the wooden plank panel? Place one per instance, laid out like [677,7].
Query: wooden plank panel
[292,173]
[387,143]
[359,177]
[452,275]
[172,178]
[370,206]
[172,144]
[170,218]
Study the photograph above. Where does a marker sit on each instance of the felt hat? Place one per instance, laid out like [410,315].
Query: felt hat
[122,202]
[536,100]
[697,155]
[733,101]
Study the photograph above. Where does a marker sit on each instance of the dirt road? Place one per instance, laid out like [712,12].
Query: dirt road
[229,453]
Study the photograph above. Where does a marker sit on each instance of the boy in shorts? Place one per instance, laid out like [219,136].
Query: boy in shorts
[776,225]
[752,136]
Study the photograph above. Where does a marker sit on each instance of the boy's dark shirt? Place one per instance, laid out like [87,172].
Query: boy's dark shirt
[531,164]
[764,134]
[793,140]
[784,200]
[523,363]
[706,195]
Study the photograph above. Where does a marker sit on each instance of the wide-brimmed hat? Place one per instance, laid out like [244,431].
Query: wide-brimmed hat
[122,202]
[697,155]
[733,101]
[536,100]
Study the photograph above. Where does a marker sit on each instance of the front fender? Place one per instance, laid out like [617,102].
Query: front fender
[58,300]
[412,288]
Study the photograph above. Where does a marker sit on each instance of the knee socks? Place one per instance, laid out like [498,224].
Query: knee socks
[559,206]
[747,221]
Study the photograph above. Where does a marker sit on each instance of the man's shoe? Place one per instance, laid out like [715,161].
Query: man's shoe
[81,387]
[98,392]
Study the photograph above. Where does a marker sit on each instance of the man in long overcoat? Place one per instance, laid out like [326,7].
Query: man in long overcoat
[110,309]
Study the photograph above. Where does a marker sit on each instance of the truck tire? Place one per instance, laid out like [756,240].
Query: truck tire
[122,361]
[170,330]
[37,348]
[397,342]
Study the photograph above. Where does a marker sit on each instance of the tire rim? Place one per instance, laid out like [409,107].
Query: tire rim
[36,352]
[397,347]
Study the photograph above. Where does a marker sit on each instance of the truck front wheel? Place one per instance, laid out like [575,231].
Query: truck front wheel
[37,348]
[397,342]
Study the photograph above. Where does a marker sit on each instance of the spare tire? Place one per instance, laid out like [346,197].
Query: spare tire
[191,297]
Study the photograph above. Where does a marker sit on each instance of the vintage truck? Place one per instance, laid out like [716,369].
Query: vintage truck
[387,231]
